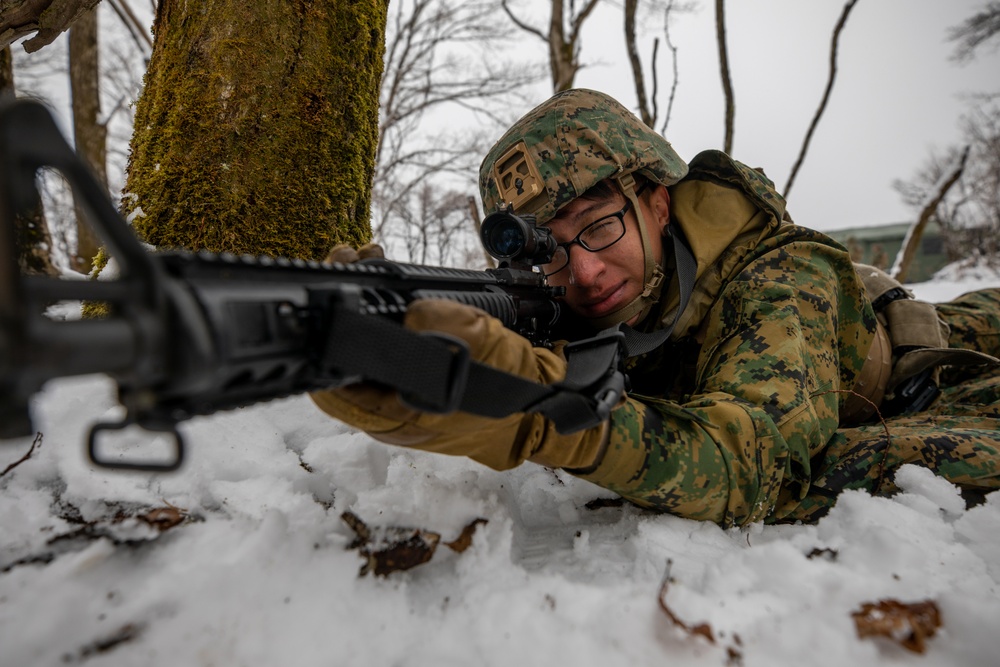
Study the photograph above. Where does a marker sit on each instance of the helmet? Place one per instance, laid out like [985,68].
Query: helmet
[565,146]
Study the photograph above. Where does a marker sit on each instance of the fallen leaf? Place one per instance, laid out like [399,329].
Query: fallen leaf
[163,518]
[388,550]
[464,541]
[908,624]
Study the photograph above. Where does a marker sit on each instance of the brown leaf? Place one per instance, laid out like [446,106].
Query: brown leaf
[908,624]
[464,541]
[388,550]
[163,518]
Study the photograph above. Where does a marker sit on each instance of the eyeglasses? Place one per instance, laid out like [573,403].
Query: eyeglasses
[596,236]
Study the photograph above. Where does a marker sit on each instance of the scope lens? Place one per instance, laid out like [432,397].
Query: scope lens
[505,238]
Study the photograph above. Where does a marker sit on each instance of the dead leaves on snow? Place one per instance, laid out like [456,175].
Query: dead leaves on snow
[163,518]
[908,624]
[392,549]
[124,525]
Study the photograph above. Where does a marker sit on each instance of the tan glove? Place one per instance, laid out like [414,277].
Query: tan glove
[345,254]
[498,443]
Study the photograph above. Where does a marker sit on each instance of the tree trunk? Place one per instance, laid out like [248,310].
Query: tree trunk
[911,243]
[89,134]
[727,83]
[562,62]
[648,117]
[257,128]
[31,236]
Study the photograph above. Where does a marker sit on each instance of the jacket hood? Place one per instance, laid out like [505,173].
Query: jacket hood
[725,209]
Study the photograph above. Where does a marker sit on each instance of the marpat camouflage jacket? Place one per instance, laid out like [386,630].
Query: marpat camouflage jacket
[723,420]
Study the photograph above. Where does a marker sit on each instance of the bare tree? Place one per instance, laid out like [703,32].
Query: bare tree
[89,130]
[433,219]
[122,66]
[668,14]
[834,42]
[134,25]
[562,38]
[648,104]
[975,31]
[646,111]
[911,243]
[969,211]
[31,235]
[441,60]
[727,84]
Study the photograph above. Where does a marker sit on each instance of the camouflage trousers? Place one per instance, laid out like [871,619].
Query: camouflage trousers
[958,436]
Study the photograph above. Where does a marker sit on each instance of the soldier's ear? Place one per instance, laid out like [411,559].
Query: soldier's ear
[659,202]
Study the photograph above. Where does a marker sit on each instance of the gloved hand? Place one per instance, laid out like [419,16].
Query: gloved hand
[498,443]
[345,254]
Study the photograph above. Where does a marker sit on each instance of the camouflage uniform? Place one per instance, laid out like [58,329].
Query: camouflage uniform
[736,418]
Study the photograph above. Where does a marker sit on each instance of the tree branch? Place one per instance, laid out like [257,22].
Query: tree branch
[727,84]
[523,26]
[909,249]
[826,95]
[633,57]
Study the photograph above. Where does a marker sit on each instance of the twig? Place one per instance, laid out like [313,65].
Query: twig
[702,629]
[826,95]
[673,58]
[36,443]
[881,419]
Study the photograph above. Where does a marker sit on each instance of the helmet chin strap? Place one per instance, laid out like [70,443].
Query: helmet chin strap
[653,276]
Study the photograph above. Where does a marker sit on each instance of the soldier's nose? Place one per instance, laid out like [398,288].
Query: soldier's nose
[584,268]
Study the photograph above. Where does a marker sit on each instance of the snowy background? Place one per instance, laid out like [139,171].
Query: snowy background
[243,558]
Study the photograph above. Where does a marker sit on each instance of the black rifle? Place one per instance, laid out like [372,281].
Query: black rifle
[193,333]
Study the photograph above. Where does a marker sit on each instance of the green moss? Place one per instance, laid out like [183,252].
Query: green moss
[97,308]
[257,129]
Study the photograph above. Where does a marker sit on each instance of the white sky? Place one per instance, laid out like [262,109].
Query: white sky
[897,94]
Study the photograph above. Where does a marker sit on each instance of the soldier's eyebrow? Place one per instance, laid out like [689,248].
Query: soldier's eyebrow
[586,215]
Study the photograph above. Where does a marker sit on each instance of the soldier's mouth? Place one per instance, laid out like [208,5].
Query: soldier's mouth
[604,303]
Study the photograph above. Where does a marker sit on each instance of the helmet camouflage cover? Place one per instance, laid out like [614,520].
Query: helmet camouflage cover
[567,145]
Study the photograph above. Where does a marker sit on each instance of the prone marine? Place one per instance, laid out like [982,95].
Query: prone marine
[783,375]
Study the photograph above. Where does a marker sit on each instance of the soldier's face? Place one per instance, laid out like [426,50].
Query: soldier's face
[598,283]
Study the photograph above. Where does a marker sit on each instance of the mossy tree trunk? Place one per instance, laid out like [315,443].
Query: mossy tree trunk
[257,128]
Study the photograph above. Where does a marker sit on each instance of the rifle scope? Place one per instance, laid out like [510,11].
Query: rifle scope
[517,240]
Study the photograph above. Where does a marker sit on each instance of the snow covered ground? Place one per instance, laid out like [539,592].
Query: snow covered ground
[242,558]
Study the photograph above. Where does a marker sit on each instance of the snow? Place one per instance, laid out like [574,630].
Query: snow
[260,573]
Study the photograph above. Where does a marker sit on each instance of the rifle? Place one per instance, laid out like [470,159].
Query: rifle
[193,333]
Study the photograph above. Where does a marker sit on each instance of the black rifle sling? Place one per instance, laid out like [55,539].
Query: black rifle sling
[434,373]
